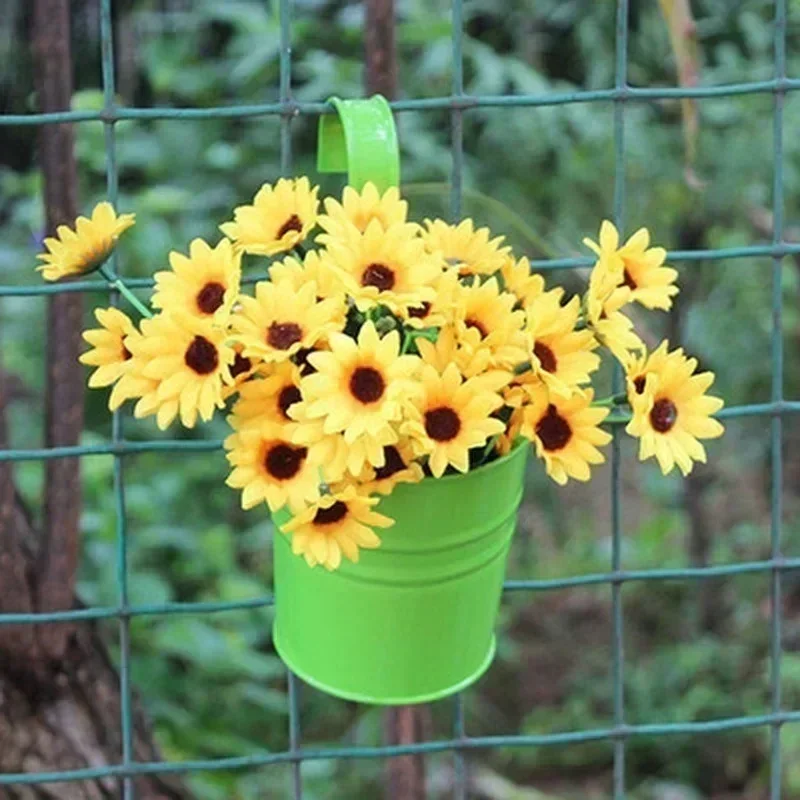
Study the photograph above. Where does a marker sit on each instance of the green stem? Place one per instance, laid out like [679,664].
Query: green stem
[408,337]
[613,400]
[116,283]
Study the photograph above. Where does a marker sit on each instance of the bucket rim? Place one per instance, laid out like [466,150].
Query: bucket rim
[519,446]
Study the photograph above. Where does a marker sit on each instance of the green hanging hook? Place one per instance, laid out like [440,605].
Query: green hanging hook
[361,140]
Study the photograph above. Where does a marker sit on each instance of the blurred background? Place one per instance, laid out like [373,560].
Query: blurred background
[699,176]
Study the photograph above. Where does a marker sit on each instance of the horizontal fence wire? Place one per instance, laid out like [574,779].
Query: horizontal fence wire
[456,104]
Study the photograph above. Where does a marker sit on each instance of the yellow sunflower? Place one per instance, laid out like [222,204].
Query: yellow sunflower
[132,384]
[438,311]
[108,354]
[399,467]
[486,319]
[76,252]
[464,247]
[447,349]
[562,356]
[634,265]
[338,523]
[451,416]
[190,360]
[360,208]
[315,268]
[566,434]
[242,369]
[268,467]
[611,327]
[520,281]
[270,397]
[280,321]
[279,218]
[357,389]
[334,454]
[205,283]
[384,266]
[671,410]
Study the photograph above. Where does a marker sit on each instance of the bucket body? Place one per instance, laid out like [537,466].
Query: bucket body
[412,621]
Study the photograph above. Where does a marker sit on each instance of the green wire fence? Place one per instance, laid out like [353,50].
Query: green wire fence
[460,742]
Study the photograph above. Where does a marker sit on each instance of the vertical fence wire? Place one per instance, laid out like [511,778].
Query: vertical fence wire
[617,621]
[117,433]
[285,89]
[776,423]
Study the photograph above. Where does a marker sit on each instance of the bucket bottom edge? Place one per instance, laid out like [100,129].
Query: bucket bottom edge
[393,700]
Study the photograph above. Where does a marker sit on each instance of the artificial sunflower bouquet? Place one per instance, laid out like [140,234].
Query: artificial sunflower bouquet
[372,356]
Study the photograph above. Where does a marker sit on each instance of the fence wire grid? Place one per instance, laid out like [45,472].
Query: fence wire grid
[460,742]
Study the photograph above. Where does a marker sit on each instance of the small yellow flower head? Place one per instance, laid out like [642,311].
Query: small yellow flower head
[268,397]
[359,209]
[384,266]
[671,410]
[451,416]
[268,467]
[189,360]
[611,327]
[399,467]
[316,268]
[486,319]
[85,249]
[520,281]
[461,246]
[204,284]
[634,268]
[279,218]
[562,356]
[339,523]
[108,354]
[566,433]
[440,310]
[280,321]
[357,391]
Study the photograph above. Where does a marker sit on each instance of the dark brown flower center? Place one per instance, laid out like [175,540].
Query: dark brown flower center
[288,396]
[663,415]
[327,516]
[442,424]
[282,335]
[367,384]
[420,312]
[471,322]
[301,359]
[639,383]
[210,297]
[547,358]
[240,365]
[283,462]
[393,463]
[627,279]
[201,356]
[378,275]
[553,430]
[291,224]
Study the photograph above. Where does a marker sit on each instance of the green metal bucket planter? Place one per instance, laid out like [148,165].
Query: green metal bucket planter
[412,621]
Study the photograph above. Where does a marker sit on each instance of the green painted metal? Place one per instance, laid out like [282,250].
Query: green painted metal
[412,621]
[618,732]
[360,140]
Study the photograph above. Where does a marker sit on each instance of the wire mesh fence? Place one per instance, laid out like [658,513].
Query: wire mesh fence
[460,743]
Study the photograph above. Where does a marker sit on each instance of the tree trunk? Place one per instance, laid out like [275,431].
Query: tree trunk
[60,706]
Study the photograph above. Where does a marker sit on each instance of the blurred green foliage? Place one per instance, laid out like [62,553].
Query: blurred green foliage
[213,684]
